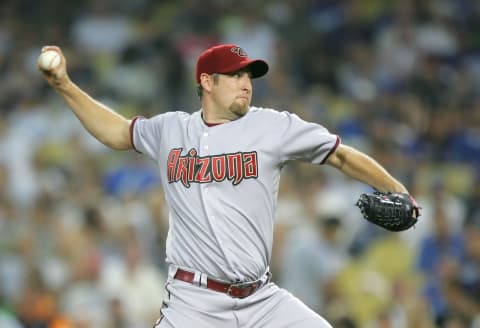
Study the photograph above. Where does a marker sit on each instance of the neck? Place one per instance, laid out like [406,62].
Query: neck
[215,111]
[212,120]
[214,115]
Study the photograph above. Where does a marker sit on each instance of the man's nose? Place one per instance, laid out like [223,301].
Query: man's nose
[246,83]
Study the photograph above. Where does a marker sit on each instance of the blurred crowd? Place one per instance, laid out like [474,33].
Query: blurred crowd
[82,228]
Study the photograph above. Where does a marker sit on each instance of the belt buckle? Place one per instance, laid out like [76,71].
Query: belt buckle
[253,286]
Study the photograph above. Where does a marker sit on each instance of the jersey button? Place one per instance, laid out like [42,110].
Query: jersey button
[205,147]
[205,134]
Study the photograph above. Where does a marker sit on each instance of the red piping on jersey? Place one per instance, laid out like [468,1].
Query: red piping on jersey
[331,150]
[131,133]
[212,124]
[209,124]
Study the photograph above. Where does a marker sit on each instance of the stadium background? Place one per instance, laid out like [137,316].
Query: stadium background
[82,228]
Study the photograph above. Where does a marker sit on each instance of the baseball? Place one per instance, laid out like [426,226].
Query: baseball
[48,60]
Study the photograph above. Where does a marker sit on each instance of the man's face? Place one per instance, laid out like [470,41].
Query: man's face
[233,92]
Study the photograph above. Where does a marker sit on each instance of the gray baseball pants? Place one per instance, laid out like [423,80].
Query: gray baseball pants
[189,305]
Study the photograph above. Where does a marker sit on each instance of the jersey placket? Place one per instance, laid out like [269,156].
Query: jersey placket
[204,187]
[206,149]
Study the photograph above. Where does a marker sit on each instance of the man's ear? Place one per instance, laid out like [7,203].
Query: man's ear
[206,81]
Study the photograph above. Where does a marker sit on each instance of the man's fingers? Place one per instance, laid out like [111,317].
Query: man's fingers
[50,47]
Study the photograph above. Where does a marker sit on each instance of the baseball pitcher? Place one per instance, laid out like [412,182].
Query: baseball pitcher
[220,171]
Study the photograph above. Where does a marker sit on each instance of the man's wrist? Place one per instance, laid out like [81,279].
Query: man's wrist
[64,86]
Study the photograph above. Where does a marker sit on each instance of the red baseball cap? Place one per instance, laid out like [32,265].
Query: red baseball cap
[227,58]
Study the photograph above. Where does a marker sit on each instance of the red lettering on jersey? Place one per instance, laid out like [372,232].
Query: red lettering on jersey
[182,171]
[191,168]
[203,173]
[218,168]
[172,163]
[250,165]
[191,163]
[235,171]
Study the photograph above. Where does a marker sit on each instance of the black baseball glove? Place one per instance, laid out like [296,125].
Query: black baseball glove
[391,211]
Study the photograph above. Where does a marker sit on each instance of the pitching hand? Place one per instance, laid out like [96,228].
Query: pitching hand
[56,76]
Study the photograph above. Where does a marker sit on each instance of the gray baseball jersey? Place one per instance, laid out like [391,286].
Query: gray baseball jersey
[221,183]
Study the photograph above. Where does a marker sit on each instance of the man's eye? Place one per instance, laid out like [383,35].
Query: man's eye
[238,74]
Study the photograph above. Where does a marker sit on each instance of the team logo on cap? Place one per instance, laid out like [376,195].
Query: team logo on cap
[239,51]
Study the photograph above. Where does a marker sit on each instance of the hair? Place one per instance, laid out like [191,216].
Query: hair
[200,88]
[199,91]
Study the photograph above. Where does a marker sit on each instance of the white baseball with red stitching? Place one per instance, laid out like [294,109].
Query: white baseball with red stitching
[48,60]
